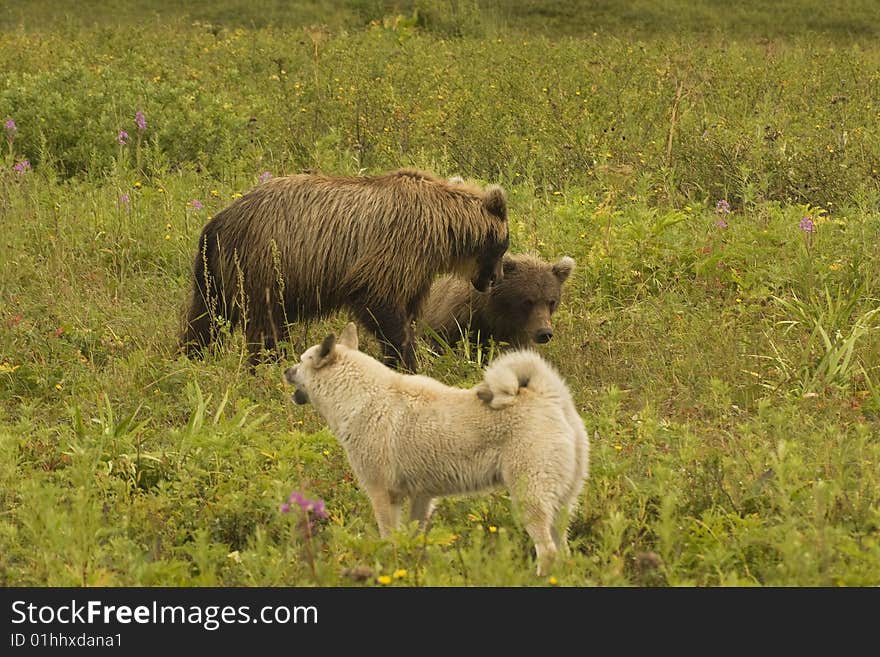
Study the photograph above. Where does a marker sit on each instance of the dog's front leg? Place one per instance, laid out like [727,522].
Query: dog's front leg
[420,508]
[386,508]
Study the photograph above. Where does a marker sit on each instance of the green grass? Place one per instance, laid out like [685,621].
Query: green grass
[730,375]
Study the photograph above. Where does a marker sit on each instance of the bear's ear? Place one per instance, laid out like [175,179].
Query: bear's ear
[509,265]
[326,354]
[562,268]
[495,201]
[349,336]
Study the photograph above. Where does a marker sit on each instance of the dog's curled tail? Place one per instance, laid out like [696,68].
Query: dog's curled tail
[515,371]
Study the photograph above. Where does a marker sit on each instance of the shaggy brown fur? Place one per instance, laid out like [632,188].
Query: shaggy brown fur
[517,310]
[303,246]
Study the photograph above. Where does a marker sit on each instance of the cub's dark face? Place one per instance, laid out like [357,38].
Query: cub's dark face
[528,296]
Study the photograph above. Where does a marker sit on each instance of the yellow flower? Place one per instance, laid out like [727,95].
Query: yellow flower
[236,195]
[400,573]
[168,226]
[137,184]
[215,193]
[6,367]
[492,529]
[553,581]
[58,386]
[834,266]
[161,190]
[618,447]
[167,237]
[384,580]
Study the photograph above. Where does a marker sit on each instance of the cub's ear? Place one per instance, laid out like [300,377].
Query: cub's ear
[562,268]
[326,354]
[349,336]
[509,265]
[495,201]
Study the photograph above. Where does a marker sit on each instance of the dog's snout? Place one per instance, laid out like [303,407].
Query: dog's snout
[543,336]
[290,373]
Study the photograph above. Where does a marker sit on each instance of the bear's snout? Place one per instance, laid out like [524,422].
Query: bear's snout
[543,336]
[290,374]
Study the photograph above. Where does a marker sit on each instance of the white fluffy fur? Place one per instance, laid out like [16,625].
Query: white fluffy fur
[410,436]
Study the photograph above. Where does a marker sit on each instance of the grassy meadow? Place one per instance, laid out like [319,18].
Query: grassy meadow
[714,172]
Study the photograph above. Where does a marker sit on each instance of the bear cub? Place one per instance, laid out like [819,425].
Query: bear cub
[516,310]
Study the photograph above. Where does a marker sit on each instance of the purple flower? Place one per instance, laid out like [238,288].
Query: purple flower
[122,137]
[721,223]
[196,204]
[123,200]
[140,120]
[266,175]
[807,225]
[21,167]
[10,126]
[722,207]
[314,508]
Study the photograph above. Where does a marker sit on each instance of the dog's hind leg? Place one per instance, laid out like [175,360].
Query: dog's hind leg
[386,508]
[539,525]
[420,508]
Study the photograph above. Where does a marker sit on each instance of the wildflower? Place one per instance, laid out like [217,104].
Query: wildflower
[492,529]
[11,128]
[384,580]
[6,367]
[123,200]
[198,205]
[266,175]
[552,581]
[215,193]
[21,167]
[400,573]
[137,184]
[807,225]
[140,120]
[721,223]
[722,207]
[316,508]
[122,138]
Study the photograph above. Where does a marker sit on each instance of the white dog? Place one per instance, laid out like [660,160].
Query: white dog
[410,436]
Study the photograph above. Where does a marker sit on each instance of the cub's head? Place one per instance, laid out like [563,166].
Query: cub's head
[528,296]
[314,372]
[489,269]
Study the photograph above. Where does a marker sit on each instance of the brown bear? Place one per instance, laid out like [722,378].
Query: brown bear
[302,246]
[516,310]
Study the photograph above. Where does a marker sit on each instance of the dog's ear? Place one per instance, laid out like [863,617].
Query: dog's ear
[326,354]
[349,336]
